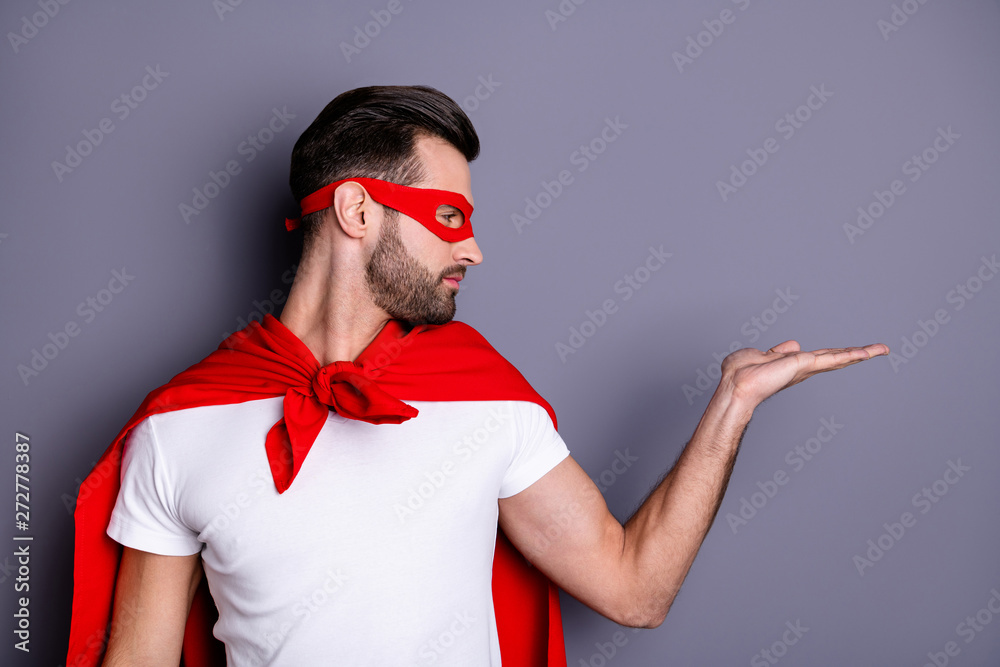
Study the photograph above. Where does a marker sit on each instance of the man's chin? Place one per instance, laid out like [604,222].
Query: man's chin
[433,318]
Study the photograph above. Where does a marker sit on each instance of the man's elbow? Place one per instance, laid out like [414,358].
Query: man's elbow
[646,614]
[645,621]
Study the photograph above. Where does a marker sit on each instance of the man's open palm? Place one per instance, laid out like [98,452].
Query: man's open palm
[757,375]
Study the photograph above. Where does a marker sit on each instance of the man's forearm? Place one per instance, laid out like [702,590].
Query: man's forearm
[663,537]
[632,574]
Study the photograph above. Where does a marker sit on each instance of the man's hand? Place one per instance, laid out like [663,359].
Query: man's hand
[632,574]
[754,376]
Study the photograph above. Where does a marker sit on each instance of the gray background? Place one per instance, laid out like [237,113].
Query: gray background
[656,184]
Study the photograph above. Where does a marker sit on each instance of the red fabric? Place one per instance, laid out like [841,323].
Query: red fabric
[421,204]
[449,362]
[341,386]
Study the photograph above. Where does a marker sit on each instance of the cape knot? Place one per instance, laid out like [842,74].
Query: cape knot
[337,378]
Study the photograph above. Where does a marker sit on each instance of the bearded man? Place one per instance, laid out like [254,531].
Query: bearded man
[339,473]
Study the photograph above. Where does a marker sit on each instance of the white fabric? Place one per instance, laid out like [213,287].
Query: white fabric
[380,552]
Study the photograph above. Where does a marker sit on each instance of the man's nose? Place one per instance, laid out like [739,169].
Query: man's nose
[467,252]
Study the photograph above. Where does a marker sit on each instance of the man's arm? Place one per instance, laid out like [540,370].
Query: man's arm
[152,600]
[632,573]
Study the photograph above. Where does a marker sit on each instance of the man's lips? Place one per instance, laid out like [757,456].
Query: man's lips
[453,280]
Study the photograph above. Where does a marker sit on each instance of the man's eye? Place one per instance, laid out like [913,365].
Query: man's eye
[449,217]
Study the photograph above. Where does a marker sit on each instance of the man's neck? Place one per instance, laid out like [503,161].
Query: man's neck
[327,311]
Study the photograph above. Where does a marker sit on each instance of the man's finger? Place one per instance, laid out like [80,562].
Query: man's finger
[786,347]
[834,359]
[873,350]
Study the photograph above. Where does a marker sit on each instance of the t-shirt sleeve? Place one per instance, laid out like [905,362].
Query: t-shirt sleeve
[539,448]
[145,515]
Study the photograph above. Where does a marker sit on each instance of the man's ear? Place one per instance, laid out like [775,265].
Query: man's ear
[350,204]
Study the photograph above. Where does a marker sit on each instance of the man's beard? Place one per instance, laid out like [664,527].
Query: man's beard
[403,287]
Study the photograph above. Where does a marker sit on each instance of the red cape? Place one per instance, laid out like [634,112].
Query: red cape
[449,362]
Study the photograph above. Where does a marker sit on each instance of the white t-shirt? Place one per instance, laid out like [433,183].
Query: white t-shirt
[380,552]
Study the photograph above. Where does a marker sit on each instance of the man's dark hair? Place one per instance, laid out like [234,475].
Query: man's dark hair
[370,132]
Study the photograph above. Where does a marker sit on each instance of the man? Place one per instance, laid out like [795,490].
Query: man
[376,548]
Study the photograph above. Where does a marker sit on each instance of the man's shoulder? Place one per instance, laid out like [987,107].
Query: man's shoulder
[451,328]
[206,423]
[456,335]
[458,349]
[457,345]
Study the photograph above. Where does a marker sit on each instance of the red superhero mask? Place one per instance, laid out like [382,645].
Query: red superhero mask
[446,214]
